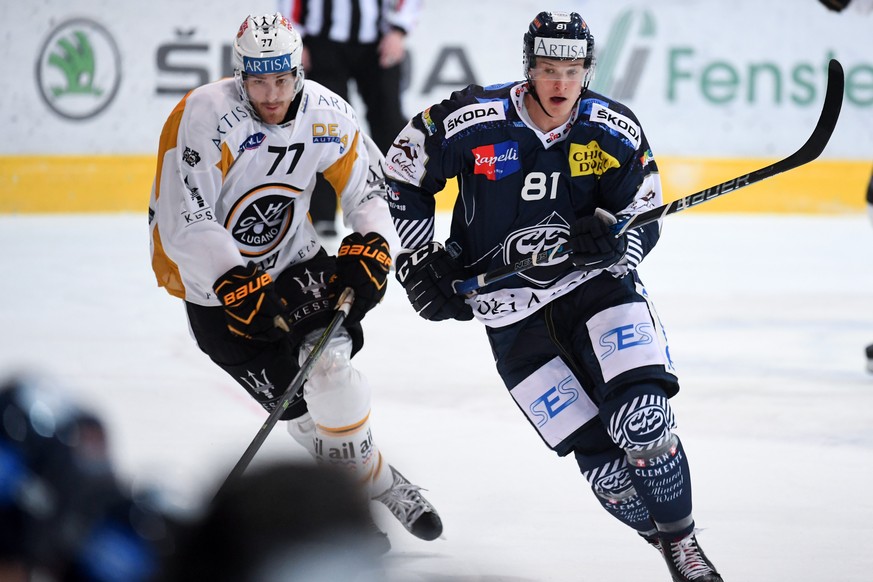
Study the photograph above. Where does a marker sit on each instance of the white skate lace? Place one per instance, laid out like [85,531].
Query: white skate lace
[404,500]
[687,558]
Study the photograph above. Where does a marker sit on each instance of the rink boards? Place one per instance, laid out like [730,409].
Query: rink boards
[76,184]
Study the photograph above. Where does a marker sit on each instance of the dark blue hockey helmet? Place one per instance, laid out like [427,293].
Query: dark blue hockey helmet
[562,36]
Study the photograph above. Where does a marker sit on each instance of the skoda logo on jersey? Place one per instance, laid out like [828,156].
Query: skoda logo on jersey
[79,69]
[470,115]
[496,161]
[553,401]
[267,65]
[617,122]
[549,234]
[260,220]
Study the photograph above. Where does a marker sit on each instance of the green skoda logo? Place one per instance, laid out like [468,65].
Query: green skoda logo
[79,69]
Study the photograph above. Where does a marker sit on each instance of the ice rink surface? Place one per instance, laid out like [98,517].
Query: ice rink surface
[767,319]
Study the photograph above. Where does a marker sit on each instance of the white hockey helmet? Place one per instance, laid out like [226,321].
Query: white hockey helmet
[265,45]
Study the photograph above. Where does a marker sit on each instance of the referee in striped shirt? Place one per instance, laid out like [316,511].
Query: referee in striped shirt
[360,40]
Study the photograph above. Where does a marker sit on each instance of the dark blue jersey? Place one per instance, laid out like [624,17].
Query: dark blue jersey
[520,189]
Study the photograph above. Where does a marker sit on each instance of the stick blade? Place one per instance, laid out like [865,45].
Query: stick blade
[827,121]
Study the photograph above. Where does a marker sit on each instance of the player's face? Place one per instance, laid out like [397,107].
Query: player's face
[558,84]
[271,95]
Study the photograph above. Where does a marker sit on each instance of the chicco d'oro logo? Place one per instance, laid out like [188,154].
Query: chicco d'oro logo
[79,69]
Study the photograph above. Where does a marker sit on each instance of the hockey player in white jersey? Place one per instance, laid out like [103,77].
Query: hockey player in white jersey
[230,236]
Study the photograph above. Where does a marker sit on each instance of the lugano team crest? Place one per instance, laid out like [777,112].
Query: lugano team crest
[260,220]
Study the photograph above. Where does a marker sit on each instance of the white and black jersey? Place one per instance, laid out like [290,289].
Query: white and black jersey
[351,21]
[521,189]
[230,189]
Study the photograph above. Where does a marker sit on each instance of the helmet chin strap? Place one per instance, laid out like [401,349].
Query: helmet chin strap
[533,93]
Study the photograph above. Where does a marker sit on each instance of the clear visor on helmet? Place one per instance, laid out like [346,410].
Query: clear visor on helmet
[554,70]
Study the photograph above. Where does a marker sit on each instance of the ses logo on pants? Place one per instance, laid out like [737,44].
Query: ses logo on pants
[624,338]
[554,401]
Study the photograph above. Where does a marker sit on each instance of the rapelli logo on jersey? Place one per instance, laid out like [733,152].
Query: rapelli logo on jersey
[496,161]
[618,122]
[470,115]
[590,159]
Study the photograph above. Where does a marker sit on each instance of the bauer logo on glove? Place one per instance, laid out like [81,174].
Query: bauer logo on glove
[251,305]
[362,263]
[366,251]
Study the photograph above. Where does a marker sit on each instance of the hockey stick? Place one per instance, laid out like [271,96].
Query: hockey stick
[344,304]
[808,152]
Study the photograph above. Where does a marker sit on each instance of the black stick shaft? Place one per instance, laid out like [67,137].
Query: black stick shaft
[808,152]
[289,397]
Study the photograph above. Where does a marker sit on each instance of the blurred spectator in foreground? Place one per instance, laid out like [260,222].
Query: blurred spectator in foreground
[284,522]
[63,515]
[360,41]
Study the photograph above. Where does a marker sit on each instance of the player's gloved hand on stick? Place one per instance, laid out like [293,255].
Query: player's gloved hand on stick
[592,243]
[362,263]
[428,275]
[253,308]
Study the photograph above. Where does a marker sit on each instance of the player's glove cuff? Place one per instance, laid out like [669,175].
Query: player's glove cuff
[592,243]
[428,274]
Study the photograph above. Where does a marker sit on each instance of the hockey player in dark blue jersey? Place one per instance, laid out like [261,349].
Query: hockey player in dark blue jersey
[542,164]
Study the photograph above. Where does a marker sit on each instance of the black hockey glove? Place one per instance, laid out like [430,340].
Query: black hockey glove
[592,244]
[428,275]
[836,5]
[253,308]
[362,263]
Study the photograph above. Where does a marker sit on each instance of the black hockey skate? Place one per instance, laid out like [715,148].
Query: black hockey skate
[411,509]
[653,540]
[687,562]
